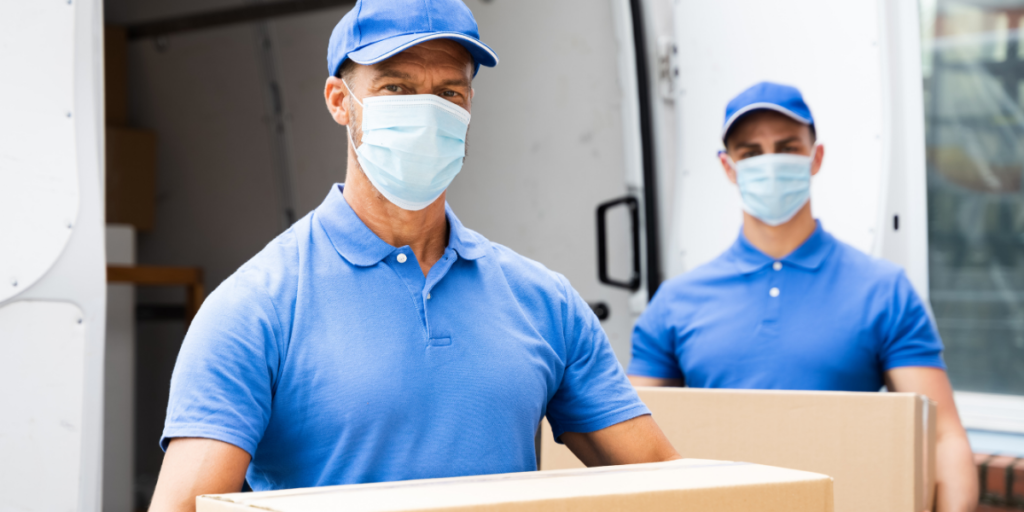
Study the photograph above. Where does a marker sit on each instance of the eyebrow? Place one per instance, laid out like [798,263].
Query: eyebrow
[456,82]
[783,142]
[386,72]
[391,73]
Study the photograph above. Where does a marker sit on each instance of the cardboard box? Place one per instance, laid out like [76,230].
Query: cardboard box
[877,446]
[115,75]
[665,486]
[131,177]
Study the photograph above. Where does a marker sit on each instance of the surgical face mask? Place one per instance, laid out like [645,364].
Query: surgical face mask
[775,186]
[412,146]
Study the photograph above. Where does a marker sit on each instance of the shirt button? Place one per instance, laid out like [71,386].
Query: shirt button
[777,265]
[428,296]
[774,292]
[401,257]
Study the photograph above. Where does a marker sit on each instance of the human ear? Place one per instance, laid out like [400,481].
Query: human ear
[818,157]
[730,172]
[336,96]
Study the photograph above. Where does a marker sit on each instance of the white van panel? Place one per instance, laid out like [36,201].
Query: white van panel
[38,177]
[43,346]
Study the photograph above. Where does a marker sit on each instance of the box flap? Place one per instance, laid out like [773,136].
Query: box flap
[726,486]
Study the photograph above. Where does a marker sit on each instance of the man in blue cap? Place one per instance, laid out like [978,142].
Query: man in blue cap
[790,307]
[378,339]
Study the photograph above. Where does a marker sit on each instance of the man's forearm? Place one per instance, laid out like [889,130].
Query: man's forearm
[955,473]
[630,442]
[193,467]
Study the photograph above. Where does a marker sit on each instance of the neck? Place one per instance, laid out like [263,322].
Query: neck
[779,241]
[424,231]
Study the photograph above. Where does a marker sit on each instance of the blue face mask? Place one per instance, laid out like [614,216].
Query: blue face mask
[412,146]
[775,186]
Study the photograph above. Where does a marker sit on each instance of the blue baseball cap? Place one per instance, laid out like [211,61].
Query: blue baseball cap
[375,30]
[783,99]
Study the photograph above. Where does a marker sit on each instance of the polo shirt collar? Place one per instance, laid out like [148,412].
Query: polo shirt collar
[469,244]
[810,255]
[362,247]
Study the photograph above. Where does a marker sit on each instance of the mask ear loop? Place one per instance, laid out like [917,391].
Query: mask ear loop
[732,164]
[352,93]
[813,155]
[348,129]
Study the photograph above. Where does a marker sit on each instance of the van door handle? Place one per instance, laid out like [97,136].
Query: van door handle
[602,242]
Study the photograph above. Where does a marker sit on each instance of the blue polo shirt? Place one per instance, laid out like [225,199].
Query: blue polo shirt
[825,317]
[331,359]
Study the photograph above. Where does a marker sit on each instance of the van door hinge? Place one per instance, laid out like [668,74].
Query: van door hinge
[668,68]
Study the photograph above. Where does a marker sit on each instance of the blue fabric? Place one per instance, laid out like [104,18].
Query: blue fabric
[332,363]
[784,99]
[375,30]
[839,321]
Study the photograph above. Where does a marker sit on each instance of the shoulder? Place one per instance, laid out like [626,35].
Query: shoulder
[526,276]
[879,285]
[703,281]
[865,268]
[273,272]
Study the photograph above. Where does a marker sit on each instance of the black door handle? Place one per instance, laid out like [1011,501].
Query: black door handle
[600,310]
[602,242]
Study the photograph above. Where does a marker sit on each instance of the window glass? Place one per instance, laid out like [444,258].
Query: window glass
[974,91]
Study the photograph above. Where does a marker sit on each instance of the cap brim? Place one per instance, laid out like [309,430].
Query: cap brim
[482,54]
[761,106]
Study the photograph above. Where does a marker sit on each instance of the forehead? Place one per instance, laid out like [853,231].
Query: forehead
[768,124]
[437,56]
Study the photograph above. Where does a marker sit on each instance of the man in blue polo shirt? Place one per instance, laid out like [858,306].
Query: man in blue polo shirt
[378,339]
[790,307]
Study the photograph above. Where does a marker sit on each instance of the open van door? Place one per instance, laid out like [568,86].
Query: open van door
[52,275]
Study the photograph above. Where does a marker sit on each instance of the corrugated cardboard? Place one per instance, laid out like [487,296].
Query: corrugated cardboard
[696,485]
[131,177]
[877,446]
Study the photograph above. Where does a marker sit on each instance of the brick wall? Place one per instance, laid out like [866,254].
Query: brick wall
[1002,482]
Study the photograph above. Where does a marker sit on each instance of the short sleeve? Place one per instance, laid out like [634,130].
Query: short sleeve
[654,342]
[222,380]
[910,338]
[594,392]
